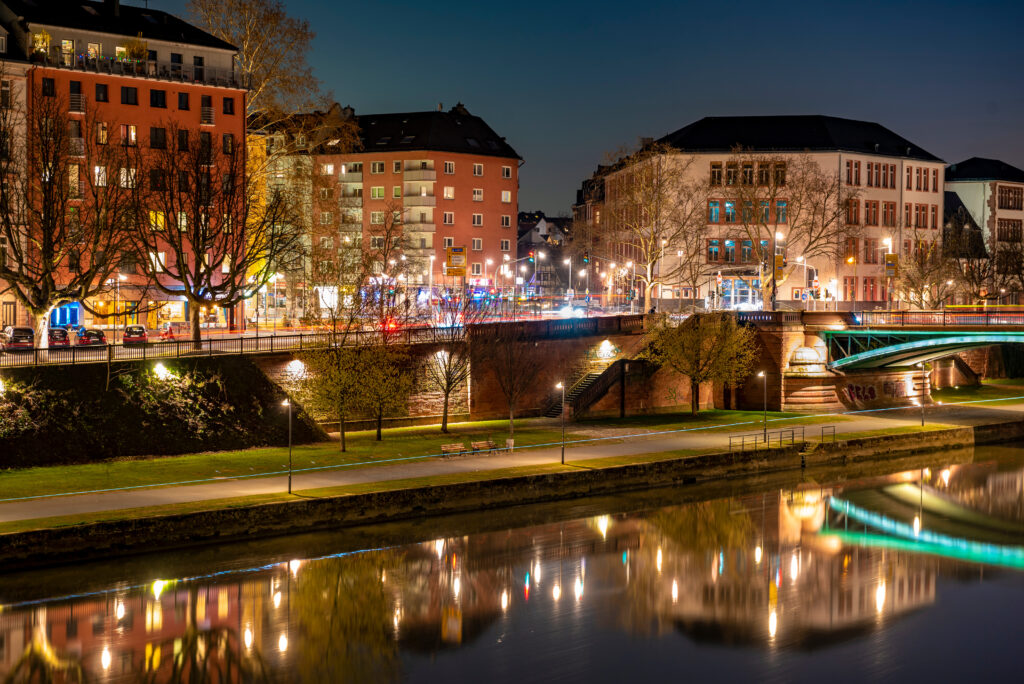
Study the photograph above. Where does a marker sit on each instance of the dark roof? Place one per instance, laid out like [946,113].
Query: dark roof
[792,133]
[453,131]
[953,209]
[978,168]
[130,20]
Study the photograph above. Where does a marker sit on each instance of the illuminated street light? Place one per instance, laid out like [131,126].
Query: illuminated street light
[561,386]
[288,404]
[764,382]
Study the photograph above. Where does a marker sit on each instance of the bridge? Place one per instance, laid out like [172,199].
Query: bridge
[899,339]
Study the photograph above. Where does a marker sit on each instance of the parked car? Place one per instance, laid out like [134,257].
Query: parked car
[91,338]
[14,339]
[58,337]
[134,335]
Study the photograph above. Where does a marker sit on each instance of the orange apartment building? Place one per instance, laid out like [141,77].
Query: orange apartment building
[87,55]
[448,176]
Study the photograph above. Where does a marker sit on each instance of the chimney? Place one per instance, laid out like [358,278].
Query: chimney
[113,6]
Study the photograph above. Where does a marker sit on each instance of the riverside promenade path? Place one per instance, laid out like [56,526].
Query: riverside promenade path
[608,442]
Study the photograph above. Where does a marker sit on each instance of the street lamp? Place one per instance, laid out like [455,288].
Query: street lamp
[764,382]
[561,386]
[632,282]
[568,262]
[288,404]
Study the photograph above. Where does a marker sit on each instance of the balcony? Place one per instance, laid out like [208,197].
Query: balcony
[164,71]
[206,115]
[421,175]
[350,177]
[350,201]
[423,227]
[420,201]
[76,103]
[76,147]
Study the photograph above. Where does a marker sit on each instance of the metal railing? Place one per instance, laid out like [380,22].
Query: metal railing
[142,68]
[765,440]
[942,317]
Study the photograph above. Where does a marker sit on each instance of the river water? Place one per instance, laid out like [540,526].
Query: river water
[822,578]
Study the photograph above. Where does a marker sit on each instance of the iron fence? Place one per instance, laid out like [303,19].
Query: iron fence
[767,439]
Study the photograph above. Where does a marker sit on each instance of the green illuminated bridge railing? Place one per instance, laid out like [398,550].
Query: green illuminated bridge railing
[953,317]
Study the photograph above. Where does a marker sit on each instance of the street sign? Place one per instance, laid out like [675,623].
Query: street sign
[455,261]
[780,262]
[892,265]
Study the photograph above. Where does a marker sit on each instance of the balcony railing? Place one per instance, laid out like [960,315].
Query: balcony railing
[350,201]
[76,103]
[421,226]
[420,201]
[168,71]
[76,147]
[206,116]
[421,175]
[350,177]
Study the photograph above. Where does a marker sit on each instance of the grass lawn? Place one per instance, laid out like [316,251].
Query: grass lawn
[989,392]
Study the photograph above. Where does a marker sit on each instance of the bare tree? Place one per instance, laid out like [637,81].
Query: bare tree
[66,205]
[204,230]
[511,356]
[964,246]
[447,368]
[926,276]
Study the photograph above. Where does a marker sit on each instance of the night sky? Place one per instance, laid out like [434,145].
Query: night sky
[568,83]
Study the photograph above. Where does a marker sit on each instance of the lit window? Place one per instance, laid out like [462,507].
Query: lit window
[449,192]
[506,196]
[478,194]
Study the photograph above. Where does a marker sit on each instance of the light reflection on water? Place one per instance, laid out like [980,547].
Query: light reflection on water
[754,587]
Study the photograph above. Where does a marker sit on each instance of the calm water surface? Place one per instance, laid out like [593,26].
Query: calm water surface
[801,582]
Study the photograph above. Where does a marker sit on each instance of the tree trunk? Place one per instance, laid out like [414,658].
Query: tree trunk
[694,397]
[511,419]
[380,419]
[197,335]
[341,428]
[444,414]
[41,325]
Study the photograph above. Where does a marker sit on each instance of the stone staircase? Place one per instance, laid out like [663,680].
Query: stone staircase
[576,390]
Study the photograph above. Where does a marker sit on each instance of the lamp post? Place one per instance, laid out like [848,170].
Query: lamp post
[632,282]
[764,383]
[288,404]
[430,285]
[800,262]
[586,272]
[561,386]
[568,262]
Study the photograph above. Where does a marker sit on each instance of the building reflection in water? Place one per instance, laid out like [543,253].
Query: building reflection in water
[761,569]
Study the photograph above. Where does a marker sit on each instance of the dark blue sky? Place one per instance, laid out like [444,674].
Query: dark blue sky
[570,82]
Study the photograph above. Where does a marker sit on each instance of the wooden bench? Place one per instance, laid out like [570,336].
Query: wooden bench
[457,448]
[484,446]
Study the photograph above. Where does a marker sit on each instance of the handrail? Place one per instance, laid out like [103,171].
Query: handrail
[938,317]
[765,438]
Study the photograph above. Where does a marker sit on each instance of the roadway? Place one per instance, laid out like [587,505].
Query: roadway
[620,442]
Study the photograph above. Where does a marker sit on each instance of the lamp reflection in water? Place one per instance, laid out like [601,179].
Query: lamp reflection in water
[773,624]
[247,638]
[504,600]
[556,592]
[105,658]
[757,555]
[282,642]
[675,591]
[577,589]
[880,596]
[657,559]
[602,525]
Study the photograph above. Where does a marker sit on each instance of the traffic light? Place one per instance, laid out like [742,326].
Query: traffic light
[586,257]
[531,257]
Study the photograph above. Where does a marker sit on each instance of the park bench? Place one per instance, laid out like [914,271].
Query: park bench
[457,448]
[484,446]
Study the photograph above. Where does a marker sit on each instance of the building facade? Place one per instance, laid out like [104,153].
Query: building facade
[890,192]
[128,76]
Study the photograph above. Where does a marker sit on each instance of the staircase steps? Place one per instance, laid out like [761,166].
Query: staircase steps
[586,381]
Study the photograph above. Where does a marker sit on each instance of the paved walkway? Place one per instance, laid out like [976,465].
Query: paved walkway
[631,445]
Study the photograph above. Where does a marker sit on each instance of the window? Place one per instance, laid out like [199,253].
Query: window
[182,222]
[716,174]
[182,139]
[781,211]
[1010,197]
[712,250]
[935,180]
[924,185]
[478,169]
[910,174]
[396,167]
[747,178]
[447,242]
[713,211]
[157,260]
[229,105]
[852,244]
[325,218]
[49,88]
[101,133]
[228,143]
[730,212]
[889,214]
[870,213]
[448,218]
[127,178]
[506,221]
[476,268]
[506,245]
[449,192]
[917,178]
[396,191]
[478,195]
[747,253]
[129,95]
[377,167]
[128,135]
[506,171]
[157,180]
[906,214]
[225,267]
[478,219]
[478,244]
[852,212]
[1009,230]
[157,220]
[183,101]
[158,138]
[449,168]
[780,173]
[327,169]
[377,218]
[935,216]
[730,251]
[869,290]
[377,192]
[730,173]
[5,94]
[870,250]
[101,92]
[158,99]
[506,196]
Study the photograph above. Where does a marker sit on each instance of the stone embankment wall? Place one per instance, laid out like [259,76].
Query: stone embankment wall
[128,536]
